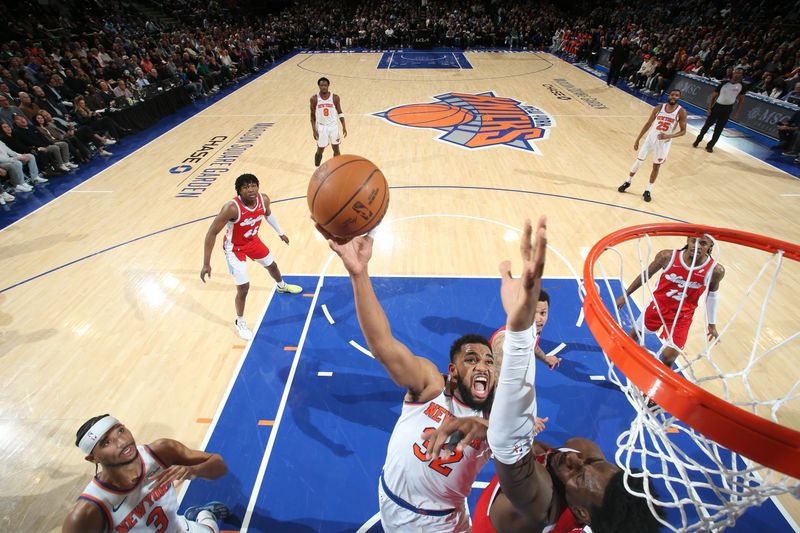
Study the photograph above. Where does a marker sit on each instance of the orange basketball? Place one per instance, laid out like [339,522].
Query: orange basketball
[429,115]
[348,196]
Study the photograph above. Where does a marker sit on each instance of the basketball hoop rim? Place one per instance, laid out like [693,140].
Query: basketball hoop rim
[761,440]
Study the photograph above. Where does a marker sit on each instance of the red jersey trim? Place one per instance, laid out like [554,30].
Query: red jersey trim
[155,457]
[103,508]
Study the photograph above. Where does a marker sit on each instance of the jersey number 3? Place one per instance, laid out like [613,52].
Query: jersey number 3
[158,519]
[439,464]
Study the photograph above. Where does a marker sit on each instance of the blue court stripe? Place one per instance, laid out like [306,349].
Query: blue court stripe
[255,396]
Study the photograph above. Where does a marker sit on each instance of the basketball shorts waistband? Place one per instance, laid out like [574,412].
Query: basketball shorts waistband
[405,505]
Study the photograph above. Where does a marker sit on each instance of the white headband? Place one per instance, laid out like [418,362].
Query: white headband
[95,433]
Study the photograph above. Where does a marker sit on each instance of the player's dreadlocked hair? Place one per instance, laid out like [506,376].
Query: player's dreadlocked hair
[621,511]
[86,427]
[469,338]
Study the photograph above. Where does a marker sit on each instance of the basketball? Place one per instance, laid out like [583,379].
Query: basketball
[429,115]
[348,196]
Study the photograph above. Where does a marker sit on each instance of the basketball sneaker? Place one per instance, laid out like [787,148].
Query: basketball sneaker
[647,196]
[291,289]
[624,186]
[242,329]
[218,509]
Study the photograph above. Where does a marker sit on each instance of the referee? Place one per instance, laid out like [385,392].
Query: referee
[720,107]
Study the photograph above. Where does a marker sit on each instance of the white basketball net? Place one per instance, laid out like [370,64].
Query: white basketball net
[703,486]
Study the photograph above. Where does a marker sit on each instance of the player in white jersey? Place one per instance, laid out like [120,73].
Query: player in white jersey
[660,129]
[133,491]
[326,113]
[418,492]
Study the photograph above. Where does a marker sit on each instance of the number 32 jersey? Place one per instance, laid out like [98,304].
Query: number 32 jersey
[439,483]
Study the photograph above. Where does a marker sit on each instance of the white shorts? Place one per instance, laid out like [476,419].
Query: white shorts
[660,149]
[395,519]
[328,135]
[238,267]
[194,527]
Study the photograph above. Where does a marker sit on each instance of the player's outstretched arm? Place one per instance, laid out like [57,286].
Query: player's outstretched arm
[660,261]
[228,212]
[525,482]
[417,374]
[272,220]
[185,463]
[522,311]
[712,301]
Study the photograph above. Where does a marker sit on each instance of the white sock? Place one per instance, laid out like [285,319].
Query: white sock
[629,179]
[281,284]
[649,187]
[511,424]
[239,319]
[208,519]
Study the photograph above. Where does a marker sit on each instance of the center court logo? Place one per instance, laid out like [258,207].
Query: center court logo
[476,120]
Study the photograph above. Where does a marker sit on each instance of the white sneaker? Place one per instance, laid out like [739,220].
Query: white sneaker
[242,329]
[23,188]
[7,197]
[105,153]
[64,168]
[71,165]
[110,141]
[40,179]
[2,201]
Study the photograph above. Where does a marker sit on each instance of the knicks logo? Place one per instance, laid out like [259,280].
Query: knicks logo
[476,120]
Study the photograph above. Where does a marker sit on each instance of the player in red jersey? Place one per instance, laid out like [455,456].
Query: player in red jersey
[542,489]
[242,215]
[675,299]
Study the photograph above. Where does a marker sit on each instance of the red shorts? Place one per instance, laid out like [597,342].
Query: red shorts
[237,259]
[653,322]
[255,249]
[481,523]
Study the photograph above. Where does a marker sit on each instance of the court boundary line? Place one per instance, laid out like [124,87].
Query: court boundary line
[235,376]
[257,484]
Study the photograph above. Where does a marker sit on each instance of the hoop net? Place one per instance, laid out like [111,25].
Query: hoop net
[721,436]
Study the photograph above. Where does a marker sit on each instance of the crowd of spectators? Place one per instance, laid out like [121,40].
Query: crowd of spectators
[65,66]
[702,38]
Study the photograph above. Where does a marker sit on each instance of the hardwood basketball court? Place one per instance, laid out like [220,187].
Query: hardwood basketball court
[100,298]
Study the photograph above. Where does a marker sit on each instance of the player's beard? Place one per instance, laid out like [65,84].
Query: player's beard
[469,400]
